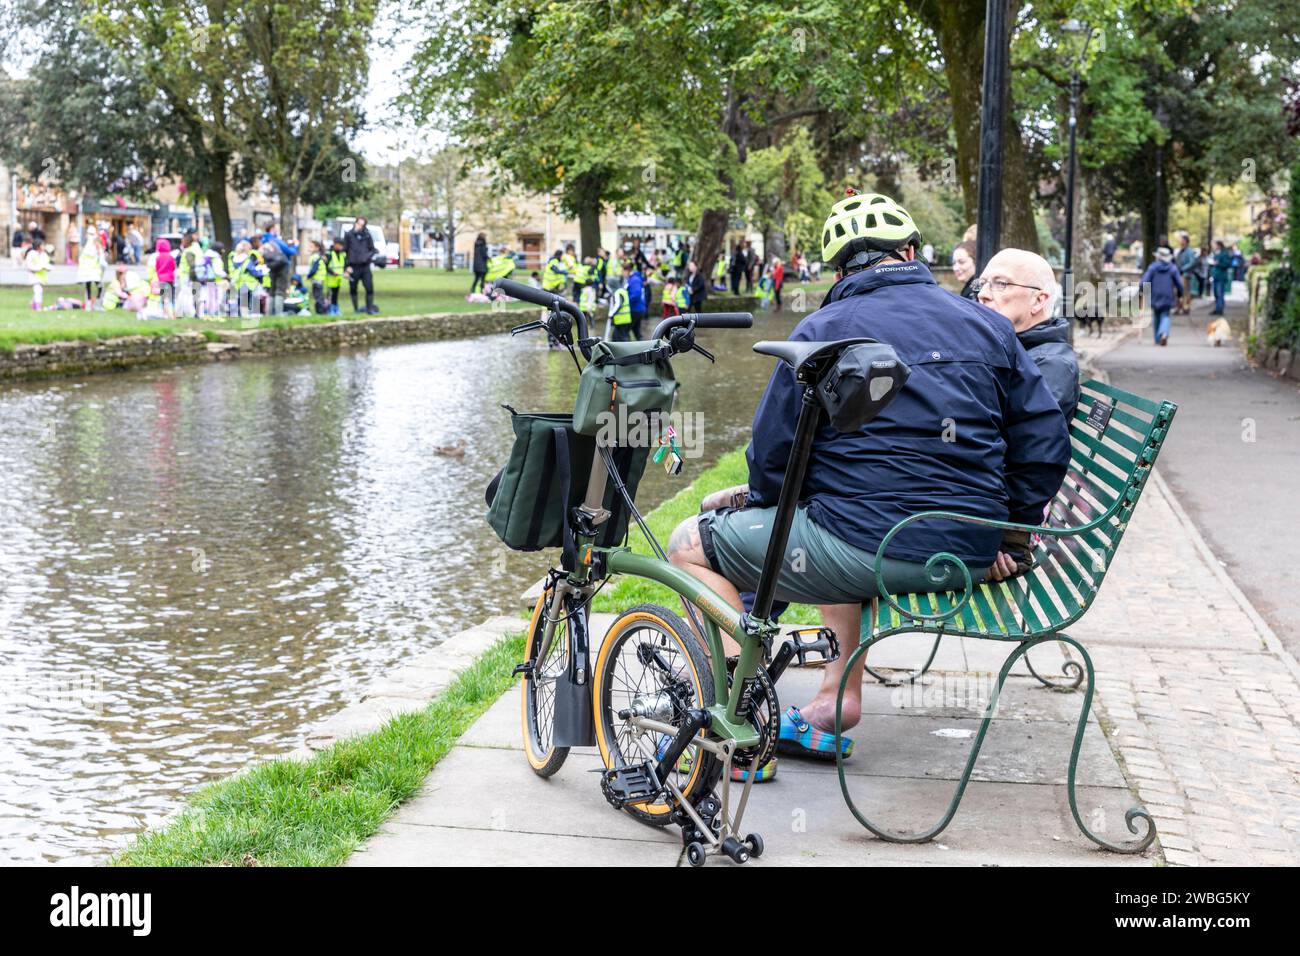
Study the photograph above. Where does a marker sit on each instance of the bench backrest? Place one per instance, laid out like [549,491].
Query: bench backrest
[1115,438]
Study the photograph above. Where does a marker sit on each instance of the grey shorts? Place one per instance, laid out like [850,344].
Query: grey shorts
[819,568]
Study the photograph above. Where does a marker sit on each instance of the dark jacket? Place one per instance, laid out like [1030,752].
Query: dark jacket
[359,246]
[968,290]
[1166,285]
[1048,344]
[698,287]
[480,255]
[975,429]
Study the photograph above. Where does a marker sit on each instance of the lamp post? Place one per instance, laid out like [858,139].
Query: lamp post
[1067,266]
[1162,117]
[988,216]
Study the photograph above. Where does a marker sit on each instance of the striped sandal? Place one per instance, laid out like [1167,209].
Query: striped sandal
[800,738]
[762,775]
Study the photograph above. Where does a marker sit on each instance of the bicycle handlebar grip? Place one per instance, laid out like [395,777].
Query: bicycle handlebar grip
[547,300]
[724,320]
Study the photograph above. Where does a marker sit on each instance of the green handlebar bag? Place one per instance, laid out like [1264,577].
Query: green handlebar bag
[643,378]
[546,475]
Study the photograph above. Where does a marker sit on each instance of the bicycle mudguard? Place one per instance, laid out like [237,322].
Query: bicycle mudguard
[572,725]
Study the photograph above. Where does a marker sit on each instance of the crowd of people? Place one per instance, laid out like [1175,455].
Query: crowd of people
[198,278]
[629,278]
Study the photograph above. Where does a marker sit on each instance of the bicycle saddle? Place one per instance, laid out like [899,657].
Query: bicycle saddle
[807,357]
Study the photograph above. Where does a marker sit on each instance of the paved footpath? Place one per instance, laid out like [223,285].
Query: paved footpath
[1197,716]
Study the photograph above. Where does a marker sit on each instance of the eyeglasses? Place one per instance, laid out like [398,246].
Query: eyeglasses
[1001,285]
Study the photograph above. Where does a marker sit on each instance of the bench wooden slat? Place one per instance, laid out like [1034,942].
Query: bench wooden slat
[1121,396]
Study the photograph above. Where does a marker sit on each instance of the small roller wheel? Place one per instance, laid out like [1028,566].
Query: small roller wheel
[736,851]
[755,844]
[695,855]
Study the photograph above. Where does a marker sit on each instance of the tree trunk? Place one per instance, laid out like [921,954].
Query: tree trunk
[449,236]
[589,228]
[1086,257]
[958,26]
[288,191]
[218,205]
[708,241]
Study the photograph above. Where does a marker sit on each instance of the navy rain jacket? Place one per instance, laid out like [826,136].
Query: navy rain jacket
[971,382]
[1048,344]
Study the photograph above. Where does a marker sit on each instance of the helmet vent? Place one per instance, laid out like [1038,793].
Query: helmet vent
[871,221]
[826,238]
[892,219]
[879,199]
[854,224]
[839,229]
[851,205]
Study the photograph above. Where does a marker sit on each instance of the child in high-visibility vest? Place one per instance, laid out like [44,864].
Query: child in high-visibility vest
[336,264]
[316,276]
[675,298]
[37,261]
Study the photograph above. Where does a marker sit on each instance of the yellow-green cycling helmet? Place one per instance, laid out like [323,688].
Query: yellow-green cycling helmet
[860,224]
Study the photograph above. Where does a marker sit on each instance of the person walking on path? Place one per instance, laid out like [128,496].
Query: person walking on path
[1166,287]
[1221,277]
[479,264]
[359,246]
[1186,260]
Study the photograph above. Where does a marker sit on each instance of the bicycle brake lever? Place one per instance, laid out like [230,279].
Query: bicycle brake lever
[527,327]
[703,351]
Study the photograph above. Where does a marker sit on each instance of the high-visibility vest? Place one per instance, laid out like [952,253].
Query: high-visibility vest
[720,268]
[37,262]
[682,299]
[316,267]
[620,311]
[239,275]
[498,267]
[553,275]
[261,266]
[334,266]
[570,263]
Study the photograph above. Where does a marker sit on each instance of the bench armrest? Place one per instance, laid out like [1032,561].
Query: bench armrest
[968,584]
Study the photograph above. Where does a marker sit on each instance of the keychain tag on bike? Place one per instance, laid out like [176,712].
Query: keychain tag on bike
[669,452]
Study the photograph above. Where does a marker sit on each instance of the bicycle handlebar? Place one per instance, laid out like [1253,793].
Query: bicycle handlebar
[703,320]
[547,300]
[724,320]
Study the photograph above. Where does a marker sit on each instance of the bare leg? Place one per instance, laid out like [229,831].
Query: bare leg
[846,621]
[686,552]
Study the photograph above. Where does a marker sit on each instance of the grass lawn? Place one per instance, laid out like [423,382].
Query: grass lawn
[397,292]
[316,812]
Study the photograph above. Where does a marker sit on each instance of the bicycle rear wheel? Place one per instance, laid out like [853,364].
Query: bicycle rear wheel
[651,656]
[537,690]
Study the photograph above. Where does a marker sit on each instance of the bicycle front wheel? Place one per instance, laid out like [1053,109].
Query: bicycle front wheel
[537,689]
[652,657]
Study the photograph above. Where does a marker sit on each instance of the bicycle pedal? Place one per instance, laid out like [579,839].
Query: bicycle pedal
[823,643]
[632,784]
[525,668]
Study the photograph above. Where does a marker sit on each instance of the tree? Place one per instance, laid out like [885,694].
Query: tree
[247,87]
[783,191]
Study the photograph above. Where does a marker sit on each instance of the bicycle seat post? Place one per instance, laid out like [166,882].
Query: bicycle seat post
[791,486]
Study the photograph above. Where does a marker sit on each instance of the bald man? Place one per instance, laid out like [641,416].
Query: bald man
[1021,285]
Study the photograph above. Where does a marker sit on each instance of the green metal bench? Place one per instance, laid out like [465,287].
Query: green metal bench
[1115,438]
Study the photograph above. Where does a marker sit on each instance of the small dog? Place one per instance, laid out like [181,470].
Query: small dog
[1218,332]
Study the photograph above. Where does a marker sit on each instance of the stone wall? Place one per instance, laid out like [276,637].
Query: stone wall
[141,351]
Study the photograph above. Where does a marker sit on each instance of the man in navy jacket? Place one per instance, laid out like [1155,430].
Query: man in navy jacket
[975,430]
